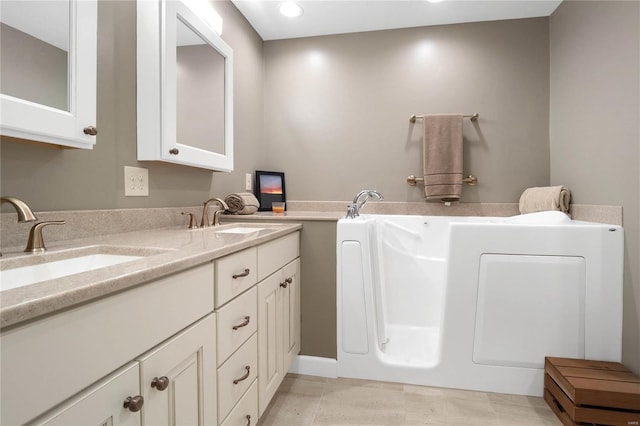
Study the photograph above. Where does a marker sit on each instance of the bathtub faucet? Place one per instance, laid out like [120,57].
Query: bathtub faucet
[353,209]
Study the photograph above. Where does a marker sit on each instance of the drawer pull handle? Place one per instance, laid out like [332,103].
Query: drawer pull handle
[246,375]
[286,282]
[248,417]
[160,383]
[244,324]
[134,403]
[244,274]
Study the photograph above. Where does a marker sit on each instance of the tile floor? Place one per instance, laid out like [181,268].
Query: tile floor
[307,400]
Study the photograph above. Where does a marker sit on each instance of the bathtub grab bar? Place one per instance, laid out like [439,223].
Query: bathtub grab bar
[472,117]
[413,180]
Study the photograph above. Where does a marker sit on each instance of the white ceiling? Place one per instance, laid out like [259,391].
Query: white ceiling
[323,17]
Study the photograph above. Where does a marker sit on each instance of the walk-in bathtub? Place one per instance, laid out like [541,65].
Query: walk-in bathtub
[475,302]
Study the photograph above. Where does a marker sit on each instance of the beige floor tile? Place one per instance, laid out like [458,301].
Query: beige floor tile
[295,402]
[290,410]
[358,404]
[306,401]
[529,401]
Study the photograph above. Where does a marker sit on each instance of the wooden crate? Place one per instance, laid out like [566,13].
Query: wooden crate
[592,392]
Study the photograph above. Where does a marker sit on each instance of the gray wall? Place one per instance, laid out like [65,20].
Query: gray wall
[49,178]
[337,108]
[594,133]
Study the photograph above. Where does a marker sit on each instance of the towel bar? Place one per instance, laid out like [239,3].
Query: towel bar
[469,180]
[472,117]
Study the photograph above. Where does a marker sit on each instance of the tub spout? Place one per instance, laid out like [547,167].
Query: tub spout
[361,198]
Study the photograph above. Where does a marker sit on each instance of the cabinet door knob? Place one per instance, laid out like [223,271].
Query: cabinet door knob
[248,417]
[246,375]
[134,403]
[160,383]
[174,151]
[286,282]
[90,130]
[243,324]
[244,274]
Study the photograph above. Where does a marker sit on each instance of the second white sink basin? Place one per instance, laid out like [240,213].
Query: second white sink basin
[239,230]
[18,277]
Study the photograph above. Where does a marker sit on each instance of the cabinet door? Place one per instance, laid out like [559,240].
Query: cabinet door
[178,378]
[101,404]
[57,105]
[291,313]
[270,354]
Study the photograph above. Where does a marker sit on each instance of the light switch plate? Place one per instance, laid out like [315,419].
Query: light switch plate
[248,182]
[136,182]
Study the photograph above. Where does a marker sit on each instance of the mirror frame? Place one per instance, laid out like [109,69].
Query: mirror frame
[32,121]
[156,88]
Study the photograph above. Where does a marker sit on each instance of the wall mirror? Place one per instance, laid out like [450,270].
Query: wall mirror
[48,70]
[185,91]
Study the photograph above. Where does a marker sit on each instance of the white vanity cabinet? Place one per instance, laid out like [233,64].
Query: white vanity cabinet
[55,101]
[278,314]
[172,384]
[197,347]
[50,362]
[258,336]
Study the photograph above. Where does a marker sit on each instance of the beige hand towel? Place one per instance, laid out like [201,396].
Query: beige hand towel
[442,149]
[242,203]
[545,198]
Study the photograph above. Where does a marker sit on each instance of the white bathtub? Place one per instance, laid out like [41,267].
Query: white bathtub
[475,302]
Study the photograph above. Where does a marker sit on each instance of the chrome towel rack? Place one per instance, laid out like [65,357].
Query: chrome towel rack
[413,180]
[472,117]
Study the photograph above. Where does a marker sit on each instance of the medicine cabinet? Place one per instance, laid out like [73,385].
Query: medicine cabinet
[48,71]
[185,86]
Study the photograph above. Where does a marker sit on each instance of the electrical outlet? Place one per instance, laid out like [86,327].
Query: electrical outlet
[136,182]
[248,182]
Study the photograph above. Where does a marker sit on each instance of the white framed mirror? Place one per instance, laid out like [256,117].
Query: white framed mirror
[185,86]
[48,71]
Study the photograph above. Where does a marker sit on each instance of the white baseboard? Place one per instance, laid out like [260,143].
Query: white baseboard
[315,366]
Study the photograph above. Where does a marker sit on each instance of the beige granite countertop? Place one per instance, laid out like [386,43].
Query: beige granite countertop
[165,251]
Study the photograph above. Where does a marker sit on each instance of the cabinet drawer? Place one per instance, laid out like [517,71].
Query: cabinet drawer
[275,254]
[236,375]
[232,331]
[67,352]
[234,274]
[245,413]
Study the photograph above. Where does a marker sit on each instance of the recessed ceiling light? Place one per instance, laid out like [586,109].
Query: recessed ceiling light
[290,9]
[435,1]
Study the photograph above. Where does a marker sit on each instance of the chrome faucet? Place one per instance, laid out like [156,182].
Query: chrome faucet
[216,216]
[353,209]
[35,243]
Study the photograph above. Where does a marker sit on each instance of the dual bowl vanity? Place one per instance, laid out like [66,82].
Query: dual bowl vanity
[198,326]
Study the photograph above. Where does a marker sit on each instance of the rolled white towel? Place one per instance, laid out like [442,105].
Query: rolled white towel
[545,198]
[242,203]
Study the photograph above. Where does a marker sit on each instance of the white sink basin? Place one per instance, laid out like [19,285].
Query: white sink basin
[18,277]
[239,230]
